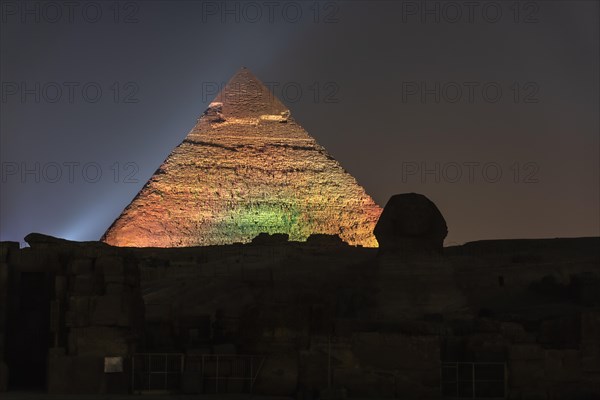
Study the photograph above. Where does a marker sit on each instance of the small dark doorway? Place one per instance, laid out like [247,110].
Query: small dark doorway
[28,335]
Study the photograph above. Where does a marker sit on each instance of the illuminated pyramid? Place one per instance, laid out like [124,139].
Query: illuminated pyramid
[246,167]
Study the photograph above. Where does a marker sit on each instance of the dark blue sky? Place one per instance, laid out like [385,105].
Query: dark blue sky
[388,89]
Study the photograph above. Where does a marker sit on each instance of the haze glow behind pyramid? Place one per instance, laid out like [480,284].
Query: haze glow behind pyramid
[246,167]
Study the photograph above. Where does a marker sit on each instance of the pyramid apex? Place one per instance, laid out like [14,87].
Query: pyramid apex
[245,96]
[245,75]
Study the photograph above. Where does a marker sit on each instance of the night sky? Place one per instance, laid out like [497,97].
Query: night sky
[437,98]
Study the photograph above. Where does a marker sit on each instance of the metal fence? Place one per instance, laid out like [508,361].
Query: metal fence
[474,380]
[214,373]
[157,372]
[224,373]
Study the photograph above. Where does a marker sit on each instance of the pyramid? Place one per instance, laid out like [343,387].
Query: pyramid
[245,168]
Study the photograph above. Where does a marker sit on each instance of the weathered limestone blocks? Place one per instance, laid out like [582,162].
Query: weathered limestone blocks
[515,333]
[561,333]
[411,289]
[75,374]
[101,341]
[105,307]
[393,320]
[586,287]
[6,248]
[104,317]
[381,350]
[590,344]
[395,364]
[526,365]
[372,365]
[246,167]
[35,260]
[279,374]
[50,247]
[3,376]
[536,372]
[486,347]
[3,314]
[95,307]
[410,223]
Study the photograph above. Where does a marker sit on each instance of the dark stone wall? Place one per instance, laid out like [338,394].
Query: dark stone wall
[5,247]
[375,326]
[70,305]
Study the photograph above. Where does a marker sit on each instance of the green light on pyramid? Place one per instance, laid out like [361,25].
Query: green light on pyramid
[246,168]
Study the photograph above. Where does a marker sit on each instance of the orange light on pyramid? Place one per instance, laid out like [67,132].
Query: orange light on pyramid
[246,167]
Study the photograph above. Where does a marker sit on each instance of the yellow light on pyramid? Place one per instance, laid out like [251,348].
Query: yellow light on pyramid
[246,167]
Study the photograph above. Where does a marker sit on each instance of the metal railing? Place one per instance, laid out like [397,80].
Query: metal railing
[157,372]
[213,373]
[474,380]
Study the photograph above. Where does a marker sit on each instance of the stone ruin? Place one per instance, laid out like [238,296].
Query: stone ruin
[517,319]
[95,310]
